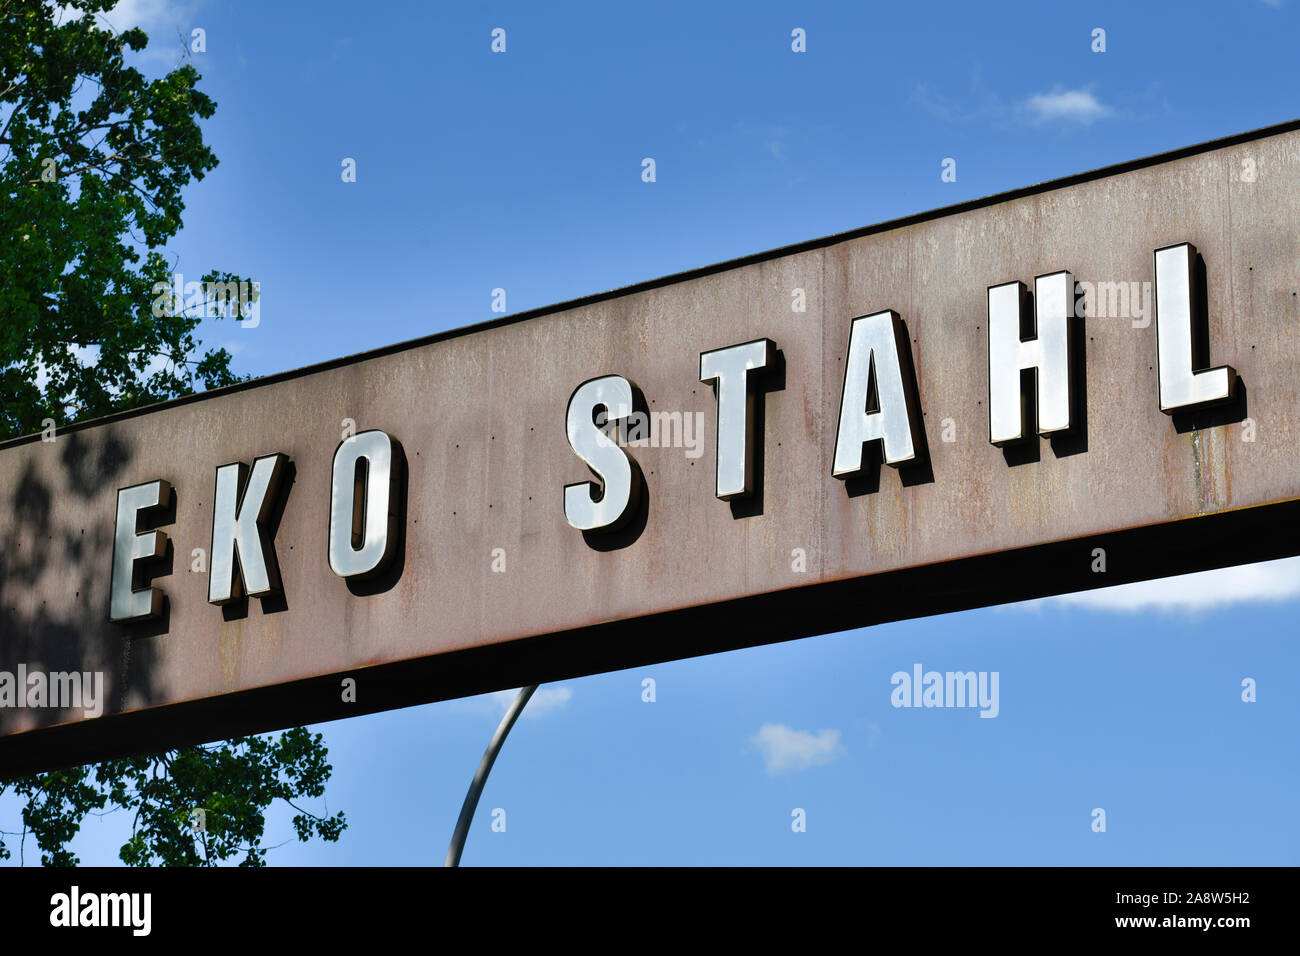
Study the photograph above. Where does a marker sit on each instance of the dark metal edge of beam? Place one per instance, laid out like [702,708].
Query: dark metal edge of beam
[1244,536]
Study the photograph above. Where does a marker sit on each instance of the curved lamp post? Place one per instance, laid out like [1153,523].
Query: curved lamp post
[480,777]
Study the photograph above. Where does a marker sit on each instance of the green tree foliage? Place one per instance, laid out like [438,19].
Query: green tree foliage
[94,157]
[93,160]
[197,806]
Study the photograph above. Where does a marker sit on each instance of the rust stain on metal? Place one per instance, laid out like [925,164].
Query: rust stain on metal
[231,649]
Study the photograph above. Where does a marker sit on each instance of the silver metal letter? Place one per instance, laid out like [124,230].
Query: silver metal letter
[241,504]
[125,602]
[1181,384]
[876,358]
[621,480]
[362,505]
[1046,353]
[731,367]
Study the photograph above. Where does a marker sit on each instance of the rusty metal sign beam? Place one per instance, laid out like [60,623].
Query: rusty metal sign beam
[287,594]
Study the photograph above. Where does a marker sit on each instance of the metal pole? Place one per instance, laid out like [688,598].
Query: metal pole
[480,777]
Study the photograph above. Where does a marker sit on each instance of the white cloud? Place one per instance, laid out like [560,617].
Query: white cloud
[786,750]
[138,13]
[167,23]
[1076,106]
[1269,581]
[545,700]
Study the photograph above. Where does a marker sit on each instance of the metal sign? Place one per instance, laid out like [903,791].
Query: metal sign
[1070,386]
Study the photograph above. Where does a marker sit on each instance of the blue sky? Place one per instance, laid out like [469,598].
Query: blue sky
[522,171]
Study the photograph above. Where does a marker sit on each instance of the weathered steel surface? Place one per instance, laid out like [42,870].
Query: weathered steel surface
[481,417]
